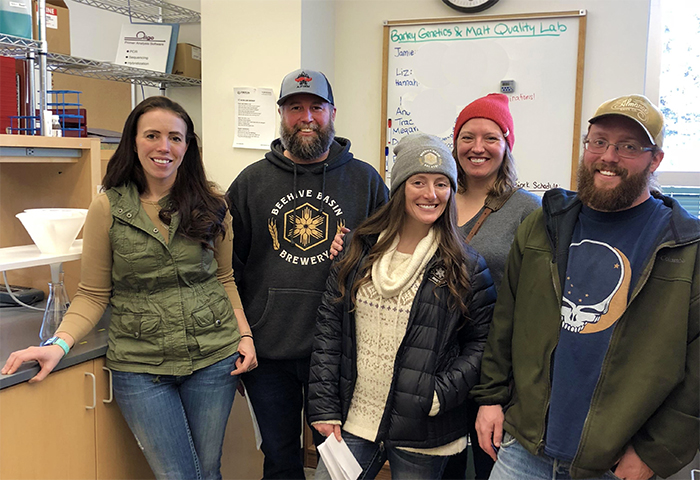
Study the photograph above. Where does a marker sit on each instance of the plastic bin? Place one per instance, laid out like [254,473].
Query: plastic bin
[16,18]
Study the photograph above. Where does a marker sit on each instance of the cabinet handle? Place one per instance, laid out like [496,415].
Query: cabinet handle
[94,392]
[111,392]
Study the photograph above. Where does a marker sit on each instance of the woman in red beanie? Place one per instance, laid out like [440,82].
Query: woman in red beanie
[488,191]
[490,207]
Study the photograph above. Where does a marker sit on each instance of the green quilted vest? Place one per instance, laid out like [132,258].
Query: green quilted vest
[170,314]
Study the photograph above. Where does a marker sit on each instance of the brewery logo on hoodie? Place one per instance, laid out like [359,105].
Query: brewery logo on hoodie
[299,223]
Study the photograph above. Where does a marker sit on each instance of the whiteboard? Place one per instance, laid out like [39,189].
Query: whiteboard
[433,68]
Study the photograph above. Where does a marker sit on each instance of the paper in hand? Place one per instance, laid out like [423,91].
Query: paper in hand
[339,460]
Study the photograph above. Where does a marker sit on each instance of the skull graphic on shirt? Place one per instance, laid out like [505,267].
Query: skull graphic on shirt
[595,273]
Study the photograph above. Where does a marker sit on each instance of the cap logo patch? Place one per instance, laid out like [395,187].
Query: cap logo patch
[303,80]
[632,106]
[430,159]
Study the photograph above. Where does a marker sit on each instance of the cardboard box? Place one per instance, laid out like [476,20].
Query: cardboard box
[57,25]
[108,103]
[188,61]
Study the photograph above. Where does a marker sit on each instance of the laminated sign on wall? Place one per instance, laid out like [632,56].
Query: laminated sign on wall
[144,46]
[254,117]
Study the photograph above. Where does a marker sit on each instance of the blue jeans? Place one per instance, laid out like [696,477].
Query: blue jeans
[516,463]
[371,456]
[179,421]
[277,389]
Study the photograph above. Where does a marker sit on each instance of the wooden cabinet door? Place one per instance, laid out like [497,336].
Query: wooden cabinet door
[117,452]
[46,431]
[240,458]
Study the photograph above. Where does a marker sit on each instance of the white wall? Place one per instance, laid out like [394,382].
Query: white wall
[245,43]
[273,39]
[318,22]
[94,32]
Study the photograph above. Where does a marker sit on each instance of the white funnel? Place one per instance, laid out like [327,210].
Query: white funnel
[53,230]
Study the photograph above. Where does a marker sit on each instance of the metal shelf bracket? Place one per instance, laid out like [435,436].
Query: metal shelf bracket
[153,11]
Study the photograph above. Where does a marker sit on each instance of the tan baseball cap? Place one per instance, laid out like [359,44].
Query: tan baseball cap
[639,109]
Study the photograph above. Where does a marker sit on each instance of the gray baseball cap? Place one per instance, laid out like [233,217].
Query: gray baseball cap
[306,81]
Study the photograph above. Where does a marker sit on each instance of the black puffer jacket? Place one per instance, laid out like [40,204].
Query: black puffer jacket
[434,356]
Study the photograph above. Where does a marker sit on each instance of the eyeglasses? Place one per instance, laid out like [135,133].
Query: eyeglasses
[623,149]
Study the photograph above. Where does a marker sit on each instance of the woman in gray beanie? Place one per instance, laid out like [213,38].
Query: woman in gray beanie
[402,325]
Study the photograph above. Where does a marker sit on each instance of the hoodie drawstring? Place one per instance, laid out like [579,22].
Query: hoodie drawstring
[294,195]
[323,185]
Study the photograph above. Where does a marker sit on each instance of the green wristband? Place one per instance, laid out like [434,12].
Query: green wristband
[57,341]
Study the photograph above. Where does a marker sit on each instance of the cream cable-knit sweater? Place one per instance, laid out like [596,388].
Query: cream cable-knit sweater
[381,318]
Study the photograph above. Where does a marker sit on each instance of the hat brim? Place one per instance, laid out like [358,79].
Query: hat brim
[649,135]
[286,97]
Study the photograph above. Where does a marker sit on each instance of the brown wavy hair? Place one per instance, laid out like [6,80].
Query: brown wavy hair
[196,200]
[390,219]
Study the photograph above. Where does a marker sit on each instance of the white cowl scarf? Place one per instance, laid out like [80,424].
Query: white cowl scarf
[391,283]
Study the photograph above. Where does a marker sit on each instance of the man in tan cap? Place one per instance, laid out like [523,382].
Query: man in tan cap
[591,366]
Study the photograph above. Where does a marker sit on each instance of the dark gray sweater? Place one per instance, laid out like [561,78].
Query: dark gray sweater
[284,219]
[495,236]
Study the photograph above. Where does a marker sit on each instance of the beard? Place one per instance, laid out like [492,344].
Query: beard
[307,148]
[612,199]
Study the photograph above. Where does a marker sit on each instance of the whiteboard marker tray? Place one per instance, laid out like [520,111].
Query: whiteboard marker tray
[12,258]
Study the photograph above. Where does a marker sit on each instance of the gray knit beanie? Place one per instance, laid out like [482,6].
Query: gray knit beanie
[422,153]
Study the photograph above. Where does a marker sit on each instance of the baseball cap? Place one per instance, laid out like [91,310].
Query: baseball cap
[306,81]
[639,109]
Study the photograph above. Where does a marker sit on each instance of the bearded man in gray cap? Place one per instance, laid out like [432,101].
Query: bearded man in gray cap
[591,365]
[286,210]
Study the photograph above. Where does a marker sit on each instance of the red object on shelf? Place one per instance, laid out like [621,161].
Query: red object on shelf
[8,92]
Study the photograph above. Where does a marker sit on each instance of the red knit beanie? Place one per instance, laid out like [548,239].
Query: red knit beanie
[494,107]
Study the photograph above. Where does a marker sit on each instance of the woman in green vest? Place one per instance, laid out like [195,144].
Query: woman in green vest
[157,248]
